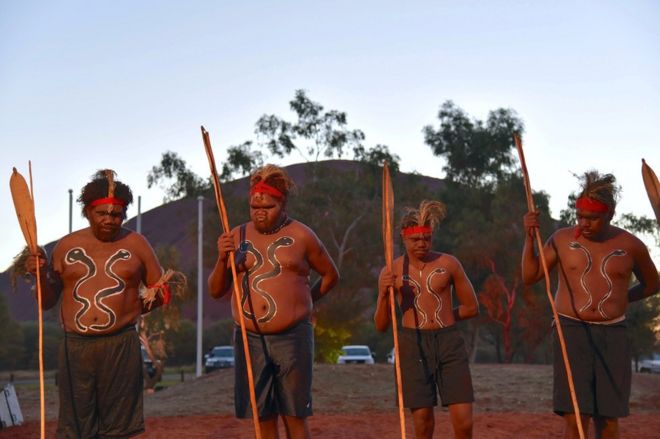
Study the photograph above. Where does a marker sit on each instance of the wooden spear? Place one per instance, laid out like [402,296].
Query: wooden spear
[387,209]
[24,206]
[237,295]
[539,244]
[652,188]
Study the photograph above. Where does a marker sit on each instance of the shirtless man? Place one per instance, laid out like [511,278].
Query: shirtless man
[275,256]
[97,272]
[432,352]
[595,261]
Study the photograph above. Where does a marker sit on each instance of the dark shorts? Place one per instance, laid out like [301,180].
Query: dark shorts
[282,371]
[434,361]
[100,386]
[600,362]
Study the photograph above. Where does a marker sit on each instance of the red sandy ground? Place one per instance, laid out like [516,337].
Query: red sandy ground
[513,401]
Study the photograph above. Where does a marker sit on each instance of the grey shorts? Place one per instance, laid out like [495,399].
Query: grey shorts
[600,362]
[100,385]
[434,361]
[282,370]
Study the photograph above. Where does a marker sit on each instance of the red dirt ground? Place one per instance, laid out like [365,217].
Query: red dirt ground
[513,401]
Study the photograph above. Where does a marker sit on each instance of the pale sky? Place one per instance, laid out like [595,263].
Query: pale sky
[89,85]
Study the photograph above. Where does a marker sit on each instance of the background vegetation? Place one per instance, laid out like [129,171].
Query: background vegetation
[485,200]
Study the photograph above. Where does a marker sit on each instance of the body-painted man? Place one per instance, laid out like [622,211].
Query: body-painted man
[432,353]
[595,261]
[97,273]
[275,255]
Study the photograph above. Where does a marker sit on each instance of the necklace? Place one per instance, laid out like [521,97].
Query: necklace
[285,222]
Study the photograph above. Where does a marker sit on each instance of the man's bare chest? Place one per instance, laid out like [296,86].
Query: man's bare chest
[94,268]
[596,261]
[280,254]
[432,280]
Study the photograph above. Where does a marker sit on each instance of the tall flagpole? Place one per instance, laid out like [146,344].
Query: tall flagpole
[70,210]
[138,220]
[200,282]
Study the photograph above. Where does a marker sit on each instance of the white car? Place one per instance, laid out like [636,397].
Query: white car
[220,357]
[356,354]
[650,364]
[391,357]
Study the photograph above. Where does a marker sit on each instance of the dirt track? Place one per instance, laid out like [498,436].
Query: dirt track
[358,401]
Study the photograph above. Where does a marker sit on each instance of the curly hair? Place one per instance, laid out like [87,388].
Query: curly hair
[273,176]
[600,187]
[103,184]
[430,213]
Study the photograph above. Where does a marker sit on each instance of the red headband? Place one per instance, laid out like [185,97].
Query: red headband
[264,188]
[415,229]
[108,200]
[591,205]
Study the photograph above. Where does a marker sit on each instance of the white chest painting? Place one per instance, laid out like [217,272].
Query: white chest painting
[573,245]
[77,255]
[253,283]
[419,293]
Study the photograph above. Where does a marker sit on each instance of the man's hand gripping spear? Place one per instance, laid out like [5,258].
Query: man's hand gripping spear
[387,209]
[539,244]
[237,295]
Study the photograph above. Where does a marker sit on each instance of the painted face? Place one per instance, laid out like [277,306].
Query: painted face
[417,244]
[265,211]
[105,220]
[592,224]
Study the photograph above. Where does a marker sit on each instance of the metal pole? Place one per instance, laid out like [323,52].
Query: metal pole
[138,225]
[200,289]
[70,210]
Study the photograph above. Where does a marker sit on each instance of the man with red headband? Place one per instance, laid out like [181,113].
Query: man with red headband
[595,261]
[432,352]
[274,259]
[97,273]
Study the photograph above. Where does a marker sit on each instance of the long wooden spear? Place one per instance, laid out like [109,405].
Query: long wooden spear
[548,288]
[237,295]
[387,209]
[24,206]
[652,188]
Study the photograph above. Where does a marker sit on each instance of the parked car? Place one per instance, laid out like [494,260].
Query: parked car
[650,364]
[220,357]
[148,364]
[354,354]
[391,357]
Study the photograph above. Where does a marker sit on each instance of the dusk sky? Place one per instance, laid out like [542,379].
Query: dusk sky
[114,84]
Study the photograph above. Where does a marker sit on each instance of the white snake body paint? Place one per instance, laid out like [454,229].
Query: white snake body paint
[120,287]
[77,255]
[271,305]
[573,245]
[435,295]
[617,252]
[417,291]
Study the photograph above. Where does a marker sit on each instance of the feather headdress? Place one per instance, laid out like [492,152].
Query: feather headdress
[600,187]
[430,213]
